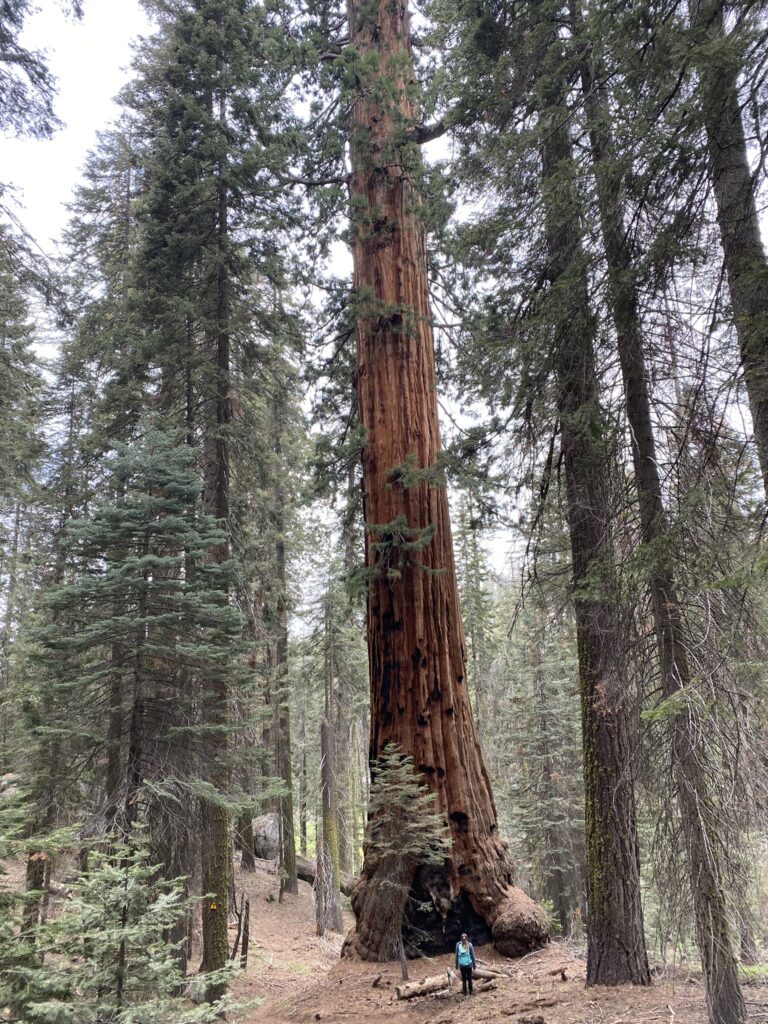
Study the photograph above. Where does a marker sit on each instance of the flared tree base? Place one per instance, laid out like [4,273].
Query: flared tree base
[434,921]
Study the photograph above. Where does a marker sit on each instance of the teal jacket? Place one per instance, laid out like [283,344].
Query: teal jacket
[470,951]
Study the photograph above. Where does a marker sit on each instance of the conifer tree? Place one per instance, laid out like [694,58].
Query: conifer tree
[27,87]
[404,829]
[106,956]
[553,375]
[201,98]
[419,694]
[718,54]
[21,456]
[138,579]
[697,801]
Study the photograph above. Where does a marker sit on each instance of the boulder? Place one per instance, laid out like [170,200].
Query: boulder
[266,837]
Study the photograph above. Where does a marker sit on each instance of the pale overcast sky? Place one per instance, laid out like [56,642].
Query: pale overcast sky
[91,60]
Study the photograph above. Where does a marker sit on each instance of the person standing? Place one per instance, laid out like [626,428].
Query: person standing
[465,961]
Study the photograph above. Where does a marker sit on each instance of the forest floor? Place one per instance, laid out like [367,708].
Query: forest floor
[302,980]
[295,977]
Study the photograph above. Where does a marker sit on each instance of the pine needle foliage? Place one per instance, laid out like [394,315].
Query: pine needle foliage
[405,829]
[139,583]
[105,958]
[403,821]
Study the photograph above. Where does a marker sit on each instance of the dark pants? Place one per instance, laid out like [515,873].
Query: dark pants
[466,979]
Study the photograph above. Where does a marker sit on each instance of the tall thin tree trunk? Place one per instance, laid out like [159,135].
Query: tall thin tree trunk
[215,819]
[5,641]
[341,732]
[303,784]
[47,777]
[356,812]
[343,705]
[114,733]
[556,882]
[288,879]
[616,943]
[330,811]
[245,840]
[746,266]
[114,777]
[419,698]
[694,796]
[135,762]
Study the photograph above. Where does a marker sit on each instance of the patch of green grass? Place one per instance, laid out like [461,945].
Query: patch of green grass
[297,968]
[754,974]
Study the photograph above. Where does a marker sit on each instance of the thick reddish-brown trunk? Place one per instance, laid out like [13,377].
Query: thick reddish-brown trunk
[419,698]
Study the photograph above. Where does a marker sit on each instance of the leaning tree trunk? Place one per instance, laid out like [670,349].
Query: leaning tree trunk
[244,839]
[695,799]
[746,266]
[615,937]
[417,657]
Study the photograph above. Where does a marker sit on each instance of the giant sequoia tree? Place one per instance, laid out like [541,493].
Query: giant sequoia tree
[418,675]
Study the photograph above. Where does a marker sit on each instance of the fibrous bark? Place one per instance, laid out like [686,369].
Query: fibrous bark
[288,879]
[616,943]
[746,266]
[215,819]
[330,827]
[419,697]
[693,789]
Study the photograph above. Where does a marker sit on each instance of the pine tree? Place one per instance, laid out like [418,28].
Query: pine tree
[718,55]
[138,579]
[27,86]
[201,97]
[404,829]
[21,456]
[106,957]
[693,790]
[552,384]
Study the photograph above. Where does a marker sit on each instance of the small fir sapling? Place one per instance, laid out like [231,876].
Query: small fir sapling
[104,957]
[404,830]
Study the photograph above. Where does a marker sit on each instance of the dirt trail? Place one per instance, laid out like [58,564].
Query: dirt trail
[299,978]
[303,981]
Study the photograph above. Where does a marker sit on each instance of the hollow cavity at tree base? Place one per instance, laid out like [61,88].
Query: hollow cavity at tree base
[516,925]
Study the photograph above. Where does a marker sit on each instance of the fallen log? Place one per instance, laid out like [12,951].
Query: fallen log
[306,870]
[487,975]
[423,988]
[486,986]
